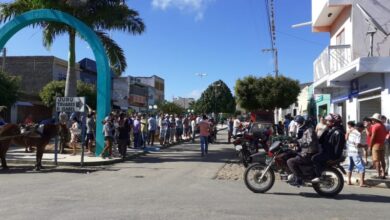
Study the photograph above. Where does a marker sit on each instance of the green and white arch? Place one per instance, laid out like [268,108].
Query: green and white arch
[103,68]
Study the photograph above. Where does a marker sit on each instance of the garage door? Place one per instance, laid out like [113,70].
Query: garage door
[368,107]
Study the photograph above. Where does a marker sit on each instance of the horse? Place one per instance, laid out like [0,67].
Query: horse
[7,133]
[13,132]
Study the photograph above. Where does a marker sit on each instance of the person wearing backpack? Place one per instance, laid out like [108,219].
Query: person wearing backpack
[307,146]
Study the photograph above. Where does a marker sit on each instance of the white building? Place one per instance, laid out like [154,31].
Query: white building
[300,107]
[356,77]
[183,102]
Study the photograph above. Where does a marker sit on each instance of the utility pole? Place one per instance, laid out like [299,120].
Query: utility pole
[270,10]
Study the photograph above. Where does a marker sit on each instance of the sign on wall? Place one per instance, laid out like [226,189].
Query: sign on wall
[70,104]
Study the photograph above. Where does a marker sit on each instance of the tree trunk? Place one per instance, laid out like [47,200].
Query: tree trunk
[71,77]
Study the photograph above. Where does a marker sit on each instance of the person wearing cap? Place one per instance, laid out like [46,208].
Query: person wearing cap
[331,144]
[377,145]
[355,147]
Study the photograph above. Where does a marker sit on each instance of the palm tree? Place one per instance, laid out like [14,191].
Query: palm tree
[100,15]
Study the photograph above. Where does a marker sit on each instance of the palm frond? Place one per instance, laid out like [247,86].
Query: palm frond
[50,31]
[114,52]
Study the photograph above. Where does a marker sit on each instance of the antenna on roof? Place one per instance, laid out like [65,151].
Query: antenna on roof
[374,24]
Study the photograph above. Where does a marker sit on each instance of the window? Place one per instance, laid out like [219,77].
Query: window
[340,38]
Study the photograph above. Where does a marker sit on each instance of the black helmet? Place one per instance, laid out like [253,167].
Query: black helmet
[299,119]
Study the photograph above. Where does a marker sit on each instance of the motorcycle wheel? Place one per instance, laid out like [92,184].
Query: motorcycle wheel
[332,184]
[252,178]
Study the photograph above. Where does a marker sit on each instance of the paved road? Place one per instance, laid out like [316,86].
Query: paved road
[174,184]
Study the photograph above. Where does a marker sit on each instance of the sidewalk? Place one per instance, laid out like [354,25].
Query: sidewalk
[383,183]
[17,155]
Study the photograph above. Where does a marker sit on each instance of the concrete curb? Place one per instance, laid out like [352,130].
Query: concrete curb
[98,163]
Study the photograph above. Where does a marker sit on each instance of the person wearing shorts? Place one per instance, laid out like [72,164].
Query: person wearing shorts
[378,139]
[355,147]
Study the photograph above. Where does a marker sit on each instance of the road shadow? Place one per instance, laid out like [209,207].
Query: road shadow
[52,169]
[351,197]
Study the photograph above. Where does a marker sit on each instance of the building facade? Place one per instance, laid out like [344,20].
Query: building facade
[158,84]
[301,106]
[353,71]
[183,102]
[35,72]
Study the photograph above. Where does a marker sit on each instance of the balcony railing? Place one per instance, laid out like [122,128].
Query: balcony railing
[332,59]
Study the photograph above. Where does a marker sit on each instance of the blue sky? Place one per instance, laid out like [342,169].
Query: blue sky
[222,38]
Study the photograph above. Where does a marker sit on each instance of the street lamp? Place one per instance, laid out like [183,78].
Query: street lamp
[152,107]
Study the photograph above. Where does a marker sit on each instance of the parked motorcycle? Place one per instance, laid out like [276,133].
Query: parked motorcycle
[247,145]
[260,177]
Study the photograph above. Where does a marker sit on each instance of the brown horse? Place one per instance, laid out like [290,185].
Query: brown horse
[10,131]
[49,132]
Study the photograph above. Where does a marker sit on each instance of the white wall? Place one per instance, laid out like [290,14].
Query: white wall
[343,21]
[351,109]
[380,11]
[386,96]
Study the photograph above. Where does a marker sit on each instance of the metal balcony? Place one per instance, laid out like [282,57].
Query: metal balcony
[332,59]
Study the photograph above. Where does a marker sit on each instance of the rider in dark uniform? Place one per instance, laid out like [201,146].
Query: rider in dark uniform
[331,143]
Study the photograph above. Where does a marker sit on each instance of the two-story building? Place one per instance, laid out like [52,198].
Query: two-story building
[352,75]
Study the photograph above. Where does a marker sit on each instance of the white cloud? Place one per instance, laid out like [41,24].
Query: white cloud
[197,7]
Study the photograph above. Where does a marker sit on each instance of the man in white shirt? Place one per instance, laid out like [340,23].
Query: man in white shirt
[292,128]
[236,126]
[355,152]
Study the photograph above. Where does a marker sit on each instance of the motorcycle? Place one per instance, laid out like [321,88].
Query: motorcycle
[260,177]
[247,145]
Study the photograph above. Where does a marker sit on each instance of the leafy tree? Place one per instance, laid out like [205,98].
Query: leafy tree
[9,89]
[49,92]
[216,98]
[266,93]
[170,108]
[98,14]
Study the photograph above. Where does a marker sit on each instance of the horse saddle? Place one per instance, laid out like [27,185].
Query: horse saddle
[32,131]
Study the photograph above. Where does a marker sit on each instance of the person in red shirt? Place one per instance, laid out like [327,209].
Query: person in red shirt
[377,144]
[204,127]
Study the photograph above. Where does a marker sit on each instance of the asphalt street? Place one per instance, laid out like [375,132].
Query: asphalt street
[175,183]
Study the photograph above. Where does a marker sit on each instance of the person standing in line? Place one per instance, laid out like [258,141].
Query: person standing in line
[123,134]
[287,120]
[185,127]
[204,128]
[152,126]
[179,128]
[144,129]
[137,132]
[368,132]
[354,148]
[387,144]
[377,143]
[172,129]
[193,128]
[28,122]
[75,131]
[108,129]
[350,127]
[293,129]
[321,126]
[230,129]
[236,126]
[90,137]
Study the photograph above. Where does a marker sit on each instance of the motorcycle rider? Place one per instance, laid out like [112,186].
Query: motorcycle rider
[331,144]
[307,147]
